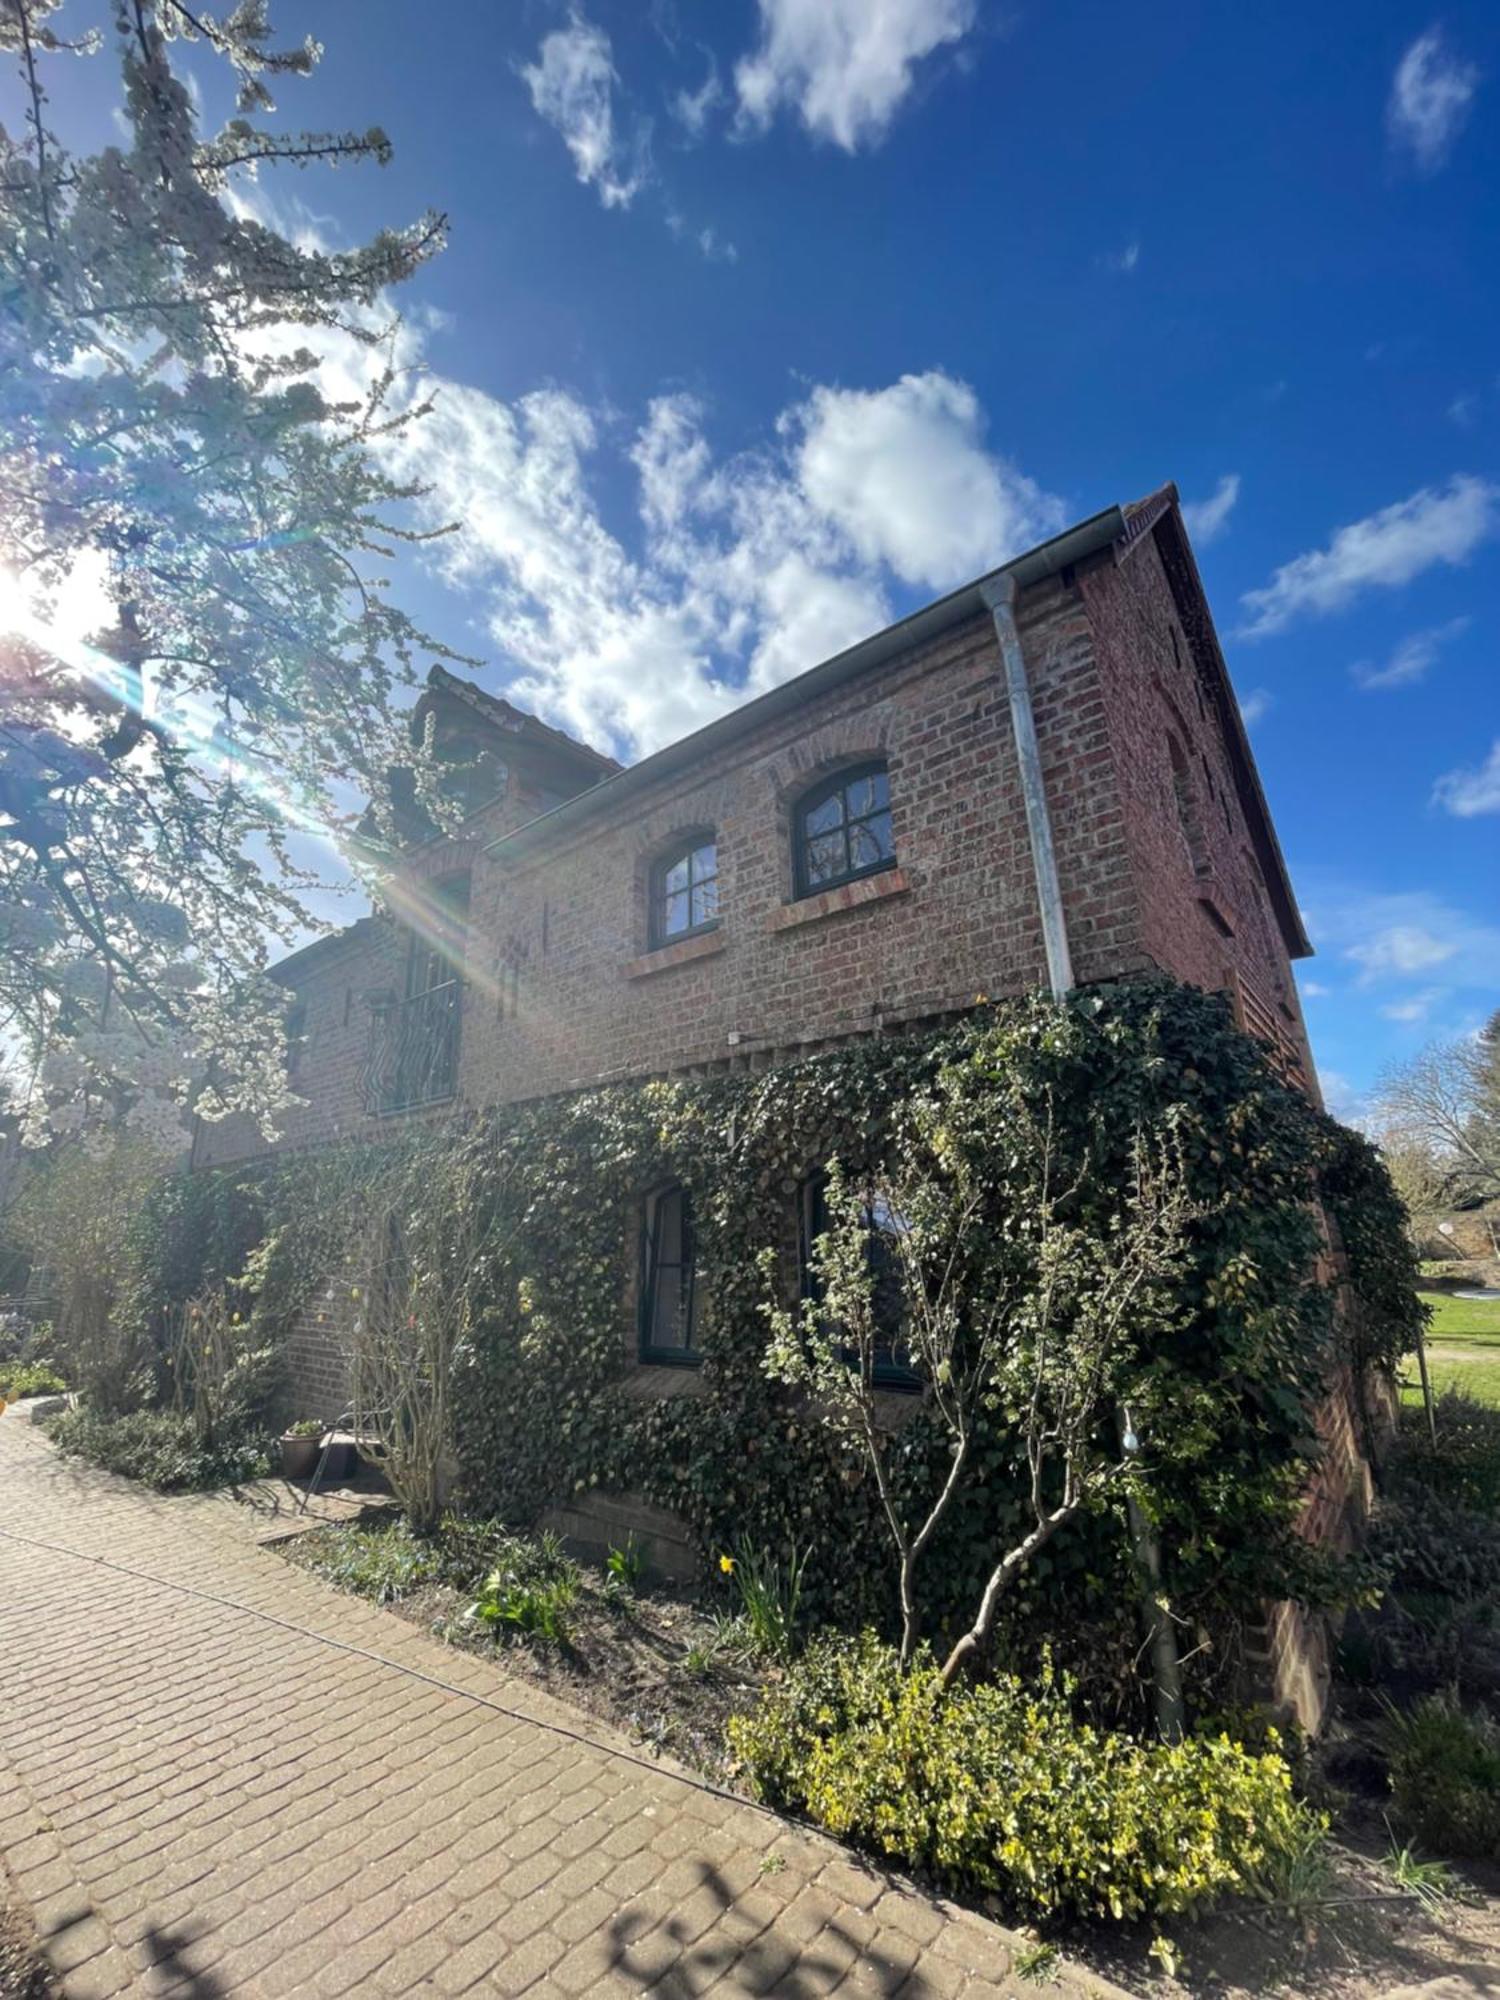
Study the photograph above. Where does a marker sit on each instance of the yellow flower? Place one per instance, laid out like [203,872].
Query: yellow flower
[726,1563]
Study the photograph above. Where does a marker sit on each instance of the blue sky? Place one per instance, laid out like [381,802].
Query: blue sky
[765,320]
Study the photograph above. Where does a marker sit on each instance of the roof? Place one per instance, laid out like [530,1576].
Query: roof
[502,714]
[1117,530]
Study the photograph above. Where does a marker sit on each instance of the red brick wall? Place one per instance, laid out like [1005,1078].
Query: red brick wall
[562,990]
[1203,906]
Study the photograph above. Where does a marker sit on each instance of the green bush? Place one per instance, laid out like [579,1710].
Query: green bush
[999,1787]
[1463,1466]
[1445,1776]
[29,1378]
[160,1448]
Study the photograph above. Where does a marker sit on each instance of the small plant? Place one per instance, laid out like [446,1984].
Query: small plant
[306,1427]
[771,1594]
[625,1567]
[1433,1883]
[1445,1775]
[539,1609]
[1036,1962]
[1296,1874]
[772,1864]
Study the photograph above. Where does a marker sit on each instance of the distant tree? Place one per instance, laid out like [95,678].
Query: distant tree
[1446,1102]
[167,450]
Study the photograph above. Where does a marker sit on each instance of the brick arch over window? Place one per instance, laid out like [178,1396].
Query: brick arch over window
[842,827]
[843,744]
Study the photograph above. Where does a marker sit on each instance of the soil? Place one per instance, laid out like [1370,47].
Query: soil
[22,1973]
[627,1659]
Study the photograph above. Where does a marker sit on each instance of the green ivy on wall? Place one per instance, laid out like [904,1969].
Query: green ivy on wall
[551,1403]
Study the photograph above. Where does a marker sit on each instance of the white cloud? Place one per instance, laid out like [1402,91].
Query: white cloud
[843,65]
[691,108]
[572,86]
[1431,95]
[1314,989]
[1416,1007]
[1468,793]
[1399,949]
[904,473]
[1386,549]
[1255,705]
[1207,519]
[1123,261]
[1412,660]
[737,572]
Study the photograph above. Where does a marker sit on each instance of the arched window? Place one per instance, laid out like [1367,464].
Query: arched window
[892,1367]
[685,891]
[669,1316]
[843,829]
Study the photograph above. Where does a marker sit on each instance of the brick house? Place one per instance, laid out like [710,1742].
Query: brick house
[1043,778]
[869,845]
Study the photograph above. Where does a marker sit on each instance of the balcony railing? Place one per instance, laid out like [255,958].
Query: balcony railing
[413,1057]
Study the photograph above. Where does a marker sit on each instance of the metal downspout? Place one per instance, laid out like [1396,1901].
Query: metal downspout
[999,593]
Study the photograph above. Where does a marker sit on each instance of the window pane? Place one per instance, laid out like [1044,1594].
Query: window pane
[868,794]
[826,858]
[675,914]
[870,842]
[706,900]
[704,862]
[821,819]
[669,1227]
[666,1316]
[676,877]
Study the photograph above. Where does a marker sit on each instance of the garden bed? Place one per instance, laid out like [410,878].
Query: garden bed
[665,1666]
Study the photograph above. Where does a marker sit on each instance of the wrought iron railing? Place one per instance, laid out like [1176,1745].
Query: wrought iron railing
[413,1057]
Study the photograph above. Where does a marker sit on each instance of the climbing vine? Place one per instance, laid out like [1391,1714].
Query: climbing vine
[551,1403]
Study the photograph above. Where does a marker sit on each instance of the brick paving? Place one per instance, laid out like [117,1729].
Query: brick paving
[205,1798]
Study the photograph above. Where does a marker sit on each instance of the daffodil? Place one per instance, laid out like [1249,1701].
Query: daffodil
[726,1563]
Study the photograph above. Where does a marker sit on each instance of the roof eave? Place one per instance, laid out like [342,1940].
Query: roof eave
[1074,545]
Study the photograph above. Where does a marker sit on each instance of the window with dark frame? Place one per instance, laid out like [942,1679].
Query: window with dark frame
[685,892]
[892,1369]
[843,830]
[669,1307]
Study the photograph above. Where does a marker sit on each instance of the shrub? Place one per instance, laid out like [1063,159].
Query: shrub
[1463,1466]
[29,1378]
[161,1448]
[999,1787]
[1445,1776]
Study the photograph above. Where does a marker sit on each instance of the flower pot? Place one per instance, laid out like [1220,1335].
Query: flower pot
[299,1456]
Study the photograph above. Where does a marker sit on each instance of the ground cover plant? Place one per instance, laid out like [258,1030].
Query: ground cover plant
[161,1448]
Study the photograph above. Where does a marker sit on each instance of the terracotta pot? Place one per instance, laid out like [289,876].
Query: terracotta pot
[299,1456]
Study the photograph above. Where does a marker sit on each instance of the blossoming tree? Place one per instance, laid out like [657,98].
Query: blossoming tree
[199,661]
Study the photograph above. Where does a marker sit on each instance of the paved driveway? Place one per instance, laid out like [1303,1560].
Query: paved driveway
[219,1777]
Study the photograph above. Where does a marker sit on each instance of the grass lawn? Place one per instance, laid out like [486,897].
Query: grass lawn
[1463,1347]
